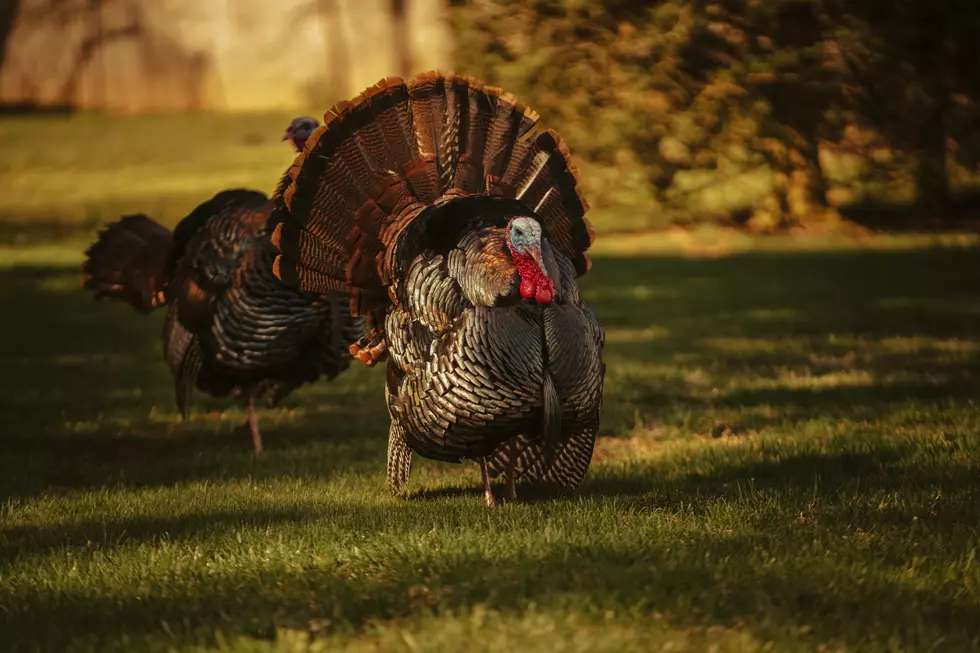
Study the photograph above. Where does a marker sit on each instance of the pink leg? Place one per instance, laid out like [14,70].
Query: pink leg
[511,473]
[253,426]
[487,492]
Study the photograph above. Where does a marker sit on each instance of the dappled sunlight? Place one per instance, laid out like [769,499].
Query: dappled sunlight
[786,199]
[794,380]
[757,416]
[923,345]
[966,304]
[735,346]
[768,315]
[89,169]
[59,255]
[714,242]
[647,334]
[627,292]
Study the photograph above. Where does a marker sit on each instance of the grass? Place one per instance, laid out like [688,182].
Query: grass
[63,176]
[789,461]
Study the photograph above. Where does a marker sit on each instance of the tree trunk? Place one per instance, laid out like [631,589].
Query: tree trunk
[805,194]
[931,56]
[8,11]
[816,182]
[399,23]
[338,73]
[931,172]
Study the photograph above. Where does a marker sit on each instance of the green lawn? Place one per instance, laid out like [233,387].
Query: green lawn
[790,453]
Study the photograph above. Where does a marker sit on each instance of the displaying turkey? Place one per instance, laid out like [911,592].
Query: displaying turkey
[231,326]
[454,223]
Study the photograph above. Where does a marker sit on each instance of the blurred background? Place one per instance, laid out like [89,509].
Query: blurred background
[819,115]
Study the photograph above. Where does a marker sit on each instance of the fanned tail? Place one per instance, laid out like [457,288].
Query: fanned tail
[128,262]
[368,175]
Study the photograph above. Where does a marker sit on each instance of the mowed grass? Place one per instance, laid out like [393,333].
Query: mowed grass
[789,460]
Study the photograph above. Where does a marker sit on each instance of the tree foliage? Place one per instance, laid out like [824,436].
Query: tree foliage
[775,113]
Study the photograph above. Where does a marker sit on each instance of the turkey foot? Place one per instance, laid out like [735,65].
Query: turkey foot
[370,349]
[399,460]
[487,492]
[251,426]
[511,473]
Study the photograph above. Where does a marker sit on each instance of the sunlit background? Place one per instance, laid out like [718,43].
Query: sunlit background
[764,115]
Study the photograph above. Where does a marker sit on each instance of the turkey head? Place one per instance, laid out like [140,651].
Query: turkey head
[524,242]
[299,130]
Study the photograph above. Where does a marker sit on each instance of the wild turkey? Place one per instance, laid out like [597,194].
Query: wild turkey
[231,326]
[299,130]
[455,224]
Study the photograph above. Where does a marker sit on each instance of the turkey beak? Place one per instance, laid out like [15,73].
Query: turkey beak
[539,259]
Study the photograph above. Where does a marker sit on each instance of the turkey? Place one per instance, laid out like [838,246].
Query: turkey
[231,327]
[455,225]
[299,130]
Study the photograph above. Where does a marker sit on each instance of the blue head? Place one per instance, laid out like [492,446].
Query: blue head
[299,130]
[524,236]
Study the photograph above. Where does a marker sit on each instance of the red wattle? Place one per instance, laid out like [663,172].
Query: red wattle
[545,293]
[527,288]
[534,284]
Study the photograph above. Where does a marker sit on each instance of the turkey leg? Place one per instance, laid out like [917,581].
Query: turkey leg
[487,492]
[399,459]
[511,473]
[253,425]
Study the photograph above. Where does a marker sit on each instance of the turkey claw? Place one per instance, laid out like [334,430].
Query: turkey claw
[369,351]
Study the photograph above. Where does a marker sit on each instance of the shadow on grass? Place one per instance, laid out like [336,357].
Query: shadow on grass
[772,580]
[106,534]
[860,332]
[86,379]
[87,401]
[820,477]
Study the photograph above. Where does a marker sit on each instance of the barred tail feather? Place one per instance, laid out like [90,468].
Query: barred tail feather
[382,158]
[551,424]
[128,262]
[186,378]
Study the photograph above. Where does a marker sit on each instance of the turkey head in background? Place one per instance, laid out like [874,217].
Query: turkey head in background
[299,130]
[455,225]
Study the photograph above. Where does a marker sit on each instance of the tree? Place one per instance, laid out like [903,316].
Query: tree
[399,25]
[910,60]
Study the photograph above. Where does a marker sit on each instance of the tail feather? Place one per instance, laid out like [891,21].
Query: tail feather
[552,423]
[427,99]
[379,160]
[190,367]
[474,128]
[504,129]
[128,262]
[182,352]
